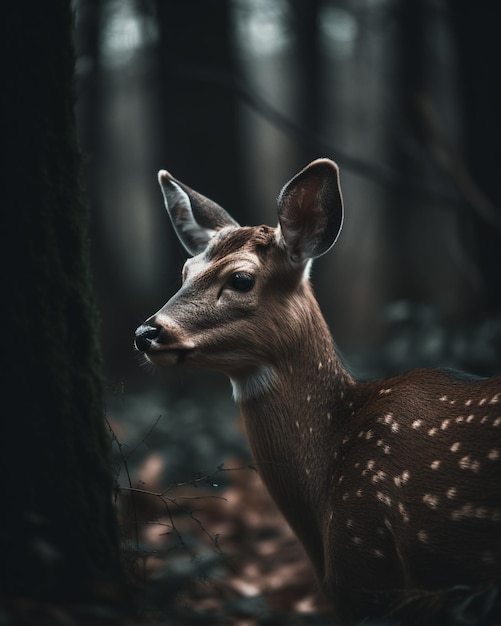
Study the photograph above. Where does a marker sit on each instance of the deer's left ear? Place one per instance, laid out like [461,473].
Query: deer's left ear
[195,218]
[310,210]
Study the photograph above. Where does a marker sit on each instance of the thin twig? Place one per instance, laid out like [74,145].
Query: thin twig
[129,480]
[145,437]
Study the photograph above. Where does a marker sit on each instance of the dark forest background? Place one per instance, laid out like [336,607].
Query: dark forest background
[234,97]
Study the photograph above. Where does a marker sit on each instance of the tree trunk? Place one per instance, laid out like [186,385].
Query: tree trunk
[199,107]
[476,32]
[58,531]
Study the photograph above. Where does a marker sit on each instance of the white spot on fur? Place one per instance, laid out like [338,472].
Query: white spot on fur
[402,479]
[468,402]
[494,399]
[423,536]
[382,497]
[378,476]
[493,455]
[379,553]
[467,510]
[435,464]
[443,398]
[455,446]
[403,512]
[432,431]
[416,424]
[482,401]
[381,444]
[467,463]
[431,500]
[383,392]
[497,421]
[451,492]
[445,424]
[470,418]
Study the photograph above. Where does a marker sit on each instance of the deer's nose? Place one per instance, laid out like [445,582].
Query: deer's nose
[145,335]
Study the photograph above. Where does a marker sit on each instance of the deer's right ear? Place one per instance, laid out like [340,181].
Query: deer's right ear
[310,211]
[195,218]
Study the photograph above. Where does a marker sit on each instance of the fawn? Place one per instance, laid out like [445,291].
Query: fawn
[394,486]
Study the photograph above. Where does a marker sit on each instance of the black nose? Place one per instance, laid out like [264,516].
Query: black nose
[145,335]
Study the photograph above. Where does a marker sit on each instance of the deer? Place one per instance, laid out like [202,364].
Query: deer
[392,486]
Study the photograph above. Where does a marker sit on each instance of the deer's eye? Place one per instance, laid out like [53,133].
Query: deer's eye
[241,281]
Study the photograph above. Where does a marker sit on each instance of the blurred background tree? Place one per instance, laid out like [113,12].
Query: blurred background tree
[58,530]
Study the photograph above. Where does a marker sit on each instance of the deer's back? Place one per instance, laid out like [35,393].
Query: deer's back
[417,491]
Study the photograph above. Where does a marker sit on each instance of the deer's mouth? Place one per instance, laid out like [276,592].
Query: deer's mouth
[168,357]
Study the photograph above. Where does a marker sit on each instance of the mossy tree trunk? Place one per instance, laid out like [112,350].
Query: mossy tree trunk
[58,532]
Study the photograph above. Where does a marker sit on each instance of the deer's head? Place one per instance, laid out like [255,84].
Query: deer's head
[241,285]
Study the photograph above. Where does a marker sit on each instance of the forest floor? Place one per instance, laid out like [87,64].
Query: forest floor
[212,549]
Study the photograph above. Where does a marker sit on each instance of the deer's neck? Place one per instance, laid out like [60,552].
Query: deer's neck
[294,409]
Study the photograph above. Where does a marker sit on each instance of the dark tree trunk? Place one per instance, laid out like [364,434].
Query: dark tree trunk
[58,532]
[476,30]
[308,64]
[199,106]
[409,150]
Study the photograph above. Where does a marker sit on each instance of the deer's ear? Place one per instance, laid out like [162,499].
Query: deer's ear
[310,210]
[195,218]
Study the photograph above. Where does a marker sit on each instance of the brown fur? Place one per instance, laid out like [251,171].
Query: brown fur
[394,486]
